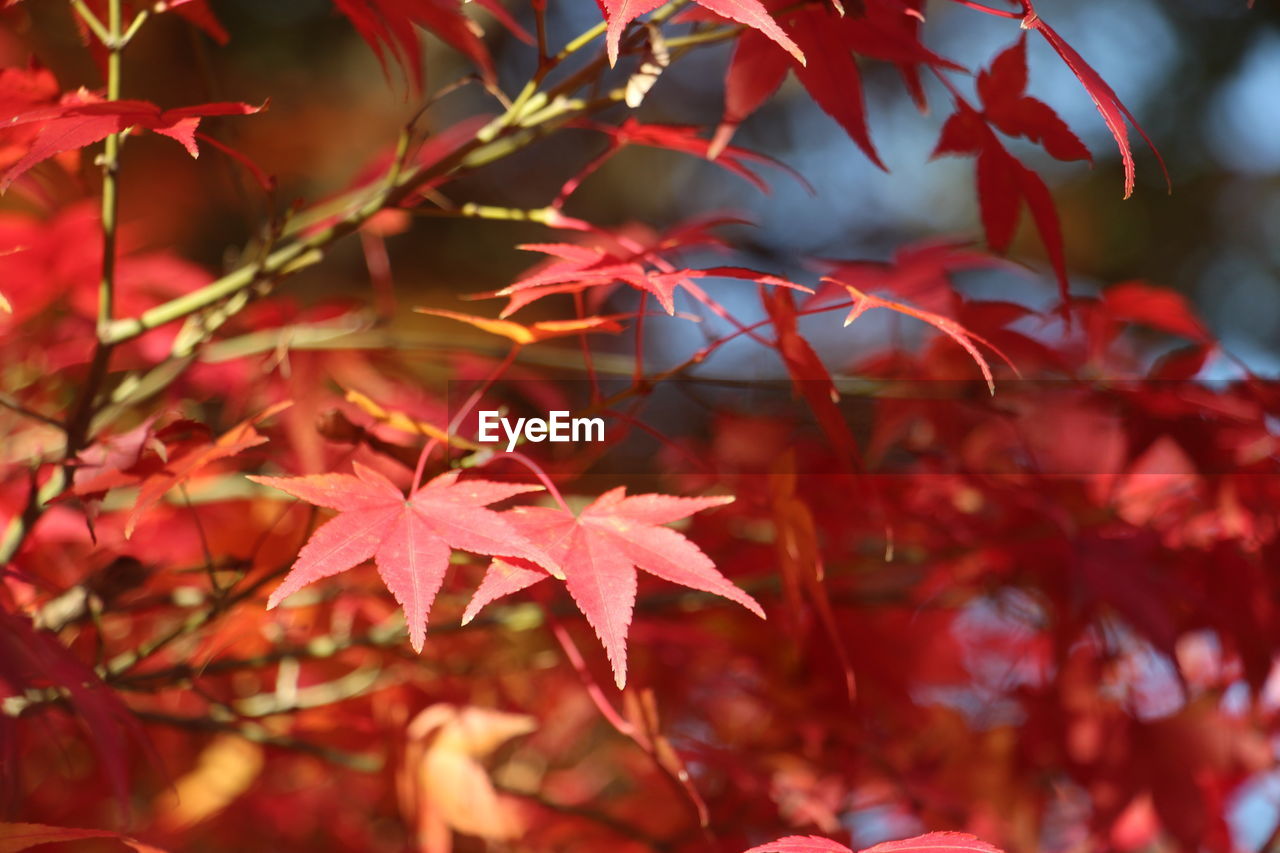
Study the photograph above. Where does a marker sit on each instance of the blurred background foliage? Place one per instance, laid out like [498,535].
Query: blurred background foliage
[1203,76]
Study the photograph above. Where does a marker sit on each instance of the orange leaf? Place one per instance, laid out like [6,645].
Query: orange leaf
[234,441]
[405,423]
[444,784]
[533,333]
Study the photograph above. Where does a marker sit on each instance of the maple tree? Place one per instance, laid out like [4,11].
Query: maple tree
[1009,570]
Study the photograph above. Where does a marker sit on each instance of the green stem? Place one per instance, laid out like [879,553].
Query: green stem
[705,37]
[134,26]
[110,170]
[82,411]
[539,113]
[582,41]
[309,250]
[471,210]
[91,20]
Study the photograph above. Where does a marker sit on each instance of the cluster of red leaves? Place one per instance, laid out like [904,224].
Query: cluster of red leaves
[970,597]
[83,118]
[391,24]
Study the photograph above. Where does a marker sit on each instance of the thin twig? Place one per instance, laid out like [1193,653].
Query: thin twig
[257,734]
[13,405]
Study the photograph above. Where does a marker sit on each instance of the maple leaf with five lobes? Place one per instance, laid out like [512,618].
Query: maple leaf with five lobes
[600,550]
[1002,89]
[409,539]
[1004,184]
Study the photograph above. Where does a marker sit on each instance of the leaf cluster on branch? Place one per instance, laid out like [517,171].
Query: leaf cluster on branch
[1012,560]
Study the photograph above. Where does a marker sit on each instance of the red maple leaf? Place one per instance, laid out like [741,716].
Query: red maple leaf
[83,119]
[939,842]
[832,77]
[31,659]
[801,844]
[1110,107]
[811,378]
[1157,307]
[1002,89]
[1003,185]
[686,140]
[864,302]
[409,539]
[640,260]
[919,272]
[391,24]
[198,13]
[22,89]
[600,550]
[170,457]
[751,13]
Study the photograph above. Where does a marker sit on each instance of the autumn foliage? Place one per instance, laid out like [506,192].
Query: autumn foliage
[1008,574]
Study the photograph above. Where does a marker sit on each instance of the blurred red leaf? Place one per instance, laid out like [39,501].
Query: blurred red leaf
[183,456]
[86,119]
[22,836]
[198,13]
[1157,307]
[810,377]
[31,659]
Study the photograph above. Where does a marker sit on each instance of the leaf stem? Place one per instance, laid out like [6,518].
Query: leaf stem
[532,115]
[999,13]
[257,733]
[540,22]
[541,475]
[456,420]
[13,405]
[579,664]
